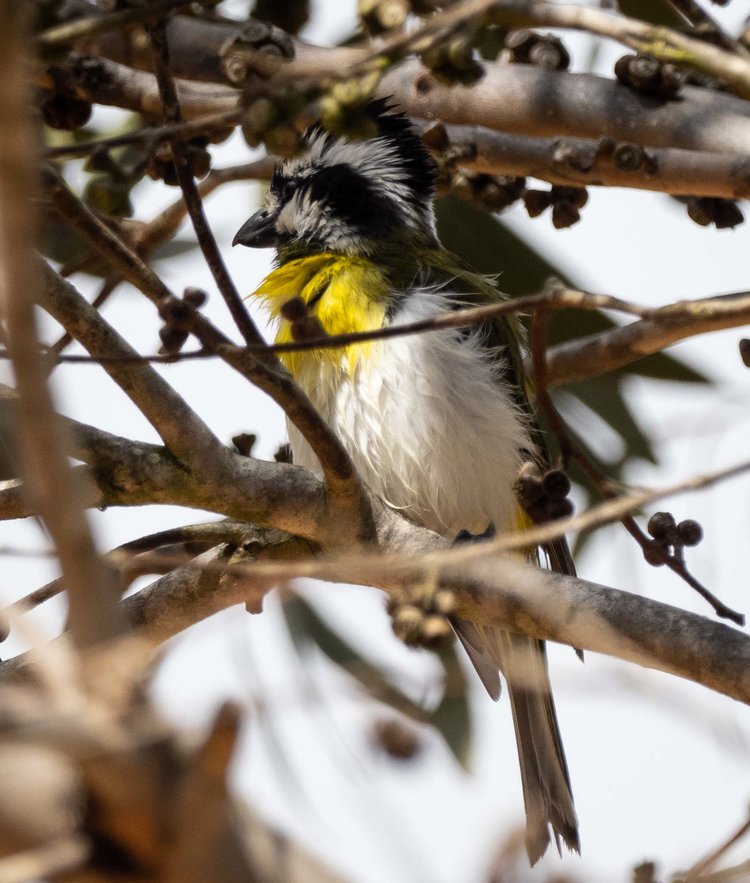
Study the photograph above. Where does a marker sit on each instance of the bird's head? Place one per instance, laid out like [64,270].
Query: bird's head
[349,197]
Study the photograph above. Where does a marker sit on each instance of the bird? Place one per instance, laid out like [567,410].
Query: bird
[437,425]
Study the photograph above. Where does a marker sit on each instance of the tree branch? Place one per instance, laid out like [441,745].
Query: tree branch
[502,592]
[524,99]
[515,98]
[182,431]
[604,162]
[610,350]
[660,42]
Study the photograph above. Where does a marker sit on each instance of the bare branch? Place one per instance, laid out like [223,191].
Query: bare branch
[512,98]
[586,163]
[501,592]
[193,202]
[574,360]
[529,100]
[91,25]
[101,81]
[348,502]
[151,135]
[184,433]
[599,353]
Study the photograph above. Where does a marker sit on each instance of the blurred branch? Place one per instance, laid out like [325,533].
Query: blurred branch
[59,36]
[46,861]
[699,873]
[509,98]
[101,81]
[149,135]
[203,40]
[51,486]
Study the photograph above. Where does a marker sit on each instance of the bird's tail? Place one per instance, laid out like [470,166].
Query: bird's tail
[544,773]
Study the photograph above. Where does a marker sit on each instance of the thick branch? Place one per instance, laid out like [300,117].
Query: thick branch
[512,98]
[585,162]
[532,101]
[501,592]
[123,472]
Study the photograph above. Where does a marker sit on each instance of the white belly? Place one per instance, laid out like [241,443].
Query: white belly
[428,424]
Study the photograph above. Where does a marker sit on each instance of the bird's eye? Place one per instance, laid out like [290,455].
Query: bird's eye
[287,191]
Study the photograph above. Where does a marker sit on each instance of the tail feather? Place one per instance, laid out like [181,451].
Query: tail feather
[483,662]
[548,798]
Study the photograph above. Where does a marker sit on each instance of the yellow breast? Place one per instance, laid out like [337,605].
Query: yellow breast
[345,293]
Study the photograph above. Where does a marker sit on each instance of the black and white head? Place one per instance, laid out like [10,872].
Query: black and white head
[350,197]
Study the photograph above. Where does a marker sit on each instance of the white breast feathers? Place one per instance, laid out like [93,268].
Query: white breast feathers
[429,423]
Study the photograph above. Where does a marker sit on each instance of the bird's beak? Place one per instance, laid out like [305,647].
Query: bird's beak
[258,231]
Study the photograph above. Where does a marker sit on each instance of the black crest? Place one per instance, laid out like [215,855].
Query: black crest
[397,128]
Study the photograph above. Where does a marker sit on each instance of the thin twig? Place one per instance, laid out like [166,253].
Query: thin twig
[555,296]
[193,201]
[712,30]
[578,359]
[59,36]
[270,376]
[150,135]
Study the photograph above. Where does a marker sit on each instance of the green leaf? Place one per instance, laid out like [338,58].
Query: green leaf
[656,12]
[490,247]
[308,629]
[452,717]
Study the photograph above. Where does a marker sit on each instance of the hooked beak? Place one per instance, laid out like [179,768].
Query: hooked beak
[258,231]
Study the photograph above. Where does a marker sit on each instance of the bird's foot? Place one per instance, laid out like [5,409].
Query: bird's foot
[465,536]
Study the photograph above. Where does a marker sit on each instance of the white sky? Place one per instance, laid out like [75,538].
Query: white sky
[659,766]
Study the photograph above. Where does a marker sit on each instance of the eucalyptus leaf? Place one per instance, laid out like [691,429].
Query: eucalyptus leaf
[655,12]
[309,630]
[452,716]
